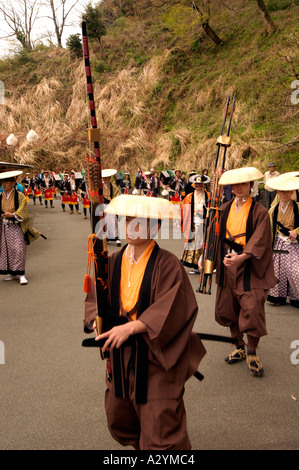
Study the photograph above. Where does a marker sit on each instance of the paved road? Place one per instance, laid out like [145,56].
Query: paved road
[51,394]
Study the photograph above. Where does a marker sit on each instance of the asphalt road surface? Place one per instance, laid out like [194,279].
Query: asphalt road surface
[52,389]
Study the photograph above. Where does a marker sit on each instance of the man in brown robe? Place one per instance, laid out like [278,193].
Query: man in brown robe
[154,351]
[245,270]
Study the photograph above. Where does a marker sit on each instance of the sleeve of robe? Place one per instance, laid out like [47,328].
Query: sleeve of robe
[260,244]
[22,211]
[260,247]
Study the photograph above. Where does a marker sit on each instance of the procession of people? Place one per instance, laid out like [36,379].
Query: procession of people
[192,196]
[148,336]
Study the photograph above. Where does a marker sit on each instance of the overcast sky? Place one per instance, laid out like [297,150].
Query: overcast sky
[43,25]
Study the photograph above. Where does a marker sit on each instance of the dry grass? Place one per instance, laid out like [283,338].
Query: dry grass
[163,112]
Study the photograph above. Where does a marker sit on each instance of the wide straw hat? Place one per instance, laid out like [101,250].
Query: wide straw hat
[10,174]
[203,179]
[143,206]
[108,172]
[241,175]
[285,182]
[13,166]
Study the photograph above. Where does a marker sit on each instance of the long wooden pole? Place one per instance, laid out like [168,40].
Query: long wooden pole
[211,223]
[95,191]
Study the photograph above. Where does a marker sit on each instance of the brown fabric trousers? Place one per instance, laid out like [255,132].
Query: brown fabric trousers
[158,424]
[242,311]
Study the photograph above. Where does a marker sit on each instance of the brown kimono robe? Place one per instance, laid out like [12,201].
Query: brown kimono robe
[242,291]
[174,353]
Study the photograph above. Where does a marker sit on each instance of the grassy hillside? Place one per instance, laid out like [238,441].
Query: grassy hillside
[161,86]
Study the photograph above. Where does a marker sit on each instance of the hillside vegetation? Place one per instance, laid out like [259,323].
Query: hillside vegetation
[161,86]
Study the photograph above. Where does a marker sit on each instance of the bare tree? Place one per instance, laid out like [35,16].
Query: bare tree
[20,16]
[60,11]
[204,14]
[200,7]
[270,27]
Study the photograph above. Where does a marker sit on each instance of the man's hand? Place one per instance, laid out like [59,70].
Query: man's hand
[293,235]
[8,215]
[119,334]
[232,260]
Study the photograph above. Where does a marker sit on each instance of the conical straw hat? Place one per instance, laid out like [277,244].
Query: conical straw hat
[200,179]
[10,174]
[285,182]
[241,175]
[108,172]
[143,206]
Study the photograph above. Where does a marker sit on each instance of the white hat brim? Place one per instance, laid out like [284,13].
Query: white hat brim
[146,207]
[284,182]
[10,174]
[108,172]
[240,175]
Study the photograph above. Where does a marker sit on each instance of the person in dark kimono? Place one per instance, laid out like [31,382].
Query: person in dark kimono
[153,350]
[35,184]
[125,184]
[85,198]
[26,181]
[245,270]
[72,187]
[146,185]
[63,187]
[47,184]
[138,182]
[176,186]
[156,184]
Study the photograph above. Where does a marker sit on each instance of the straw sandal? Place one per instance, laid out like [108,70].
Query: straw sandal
[255,366]
[237,355]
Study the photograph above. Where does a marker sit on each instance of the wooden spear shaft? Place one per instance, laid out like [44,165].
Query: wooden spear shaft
[96,196]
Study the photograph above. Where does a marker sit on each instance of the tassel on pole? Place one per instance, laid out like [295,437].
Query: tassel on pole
[91,260]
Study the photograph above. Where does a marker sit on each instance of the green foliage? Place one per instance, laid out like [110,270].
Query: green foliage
[276,5]
[74,45]
[100,66]
[177,19]
[175,151]
[95,26]
[23,57]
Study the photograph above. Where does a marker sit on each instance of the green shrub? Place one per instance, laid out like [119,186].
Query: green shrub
[276,5]
[73,43]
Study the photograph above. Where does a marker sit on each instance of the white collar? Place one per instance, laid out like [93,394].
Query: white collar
[7,195]
[243,199]
[284,209]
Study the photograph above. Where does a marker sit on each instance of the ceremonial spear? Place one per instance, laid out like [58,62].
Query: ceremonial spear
[211,223]
[97,244]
